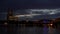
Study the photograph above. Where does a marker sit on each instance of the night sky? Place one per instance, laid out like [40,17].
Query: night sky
[29,4]
[26,4]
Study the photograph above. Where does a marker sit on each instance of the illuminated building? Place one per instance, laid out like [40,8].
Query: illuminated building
[10,16]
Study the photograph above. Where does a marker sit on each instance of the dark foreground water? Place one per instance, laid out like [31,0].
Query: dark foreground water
[13,29]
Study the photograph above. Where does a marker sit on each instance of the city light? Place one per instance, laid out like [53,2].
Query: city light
[5,23]
[51,24]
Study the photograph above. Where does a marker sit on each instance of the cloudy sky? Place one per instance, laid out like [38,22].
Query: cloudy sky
[20,6]
[43,13]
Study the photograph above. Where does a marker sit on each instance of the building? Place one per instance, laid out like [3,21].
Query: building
[10,16]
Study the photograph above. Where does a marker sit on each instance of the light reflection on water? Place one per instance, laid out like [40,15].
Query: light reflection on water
[51,30]
[29,30]
[37,30]
[45,30]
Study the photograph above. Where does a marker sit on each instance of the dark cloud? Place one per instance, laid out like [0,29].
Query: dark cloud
[25,4]
[45,16]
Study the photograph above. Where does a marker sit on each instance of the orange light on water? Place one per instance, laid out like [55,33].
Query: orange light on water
[51,24]
[5,23]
